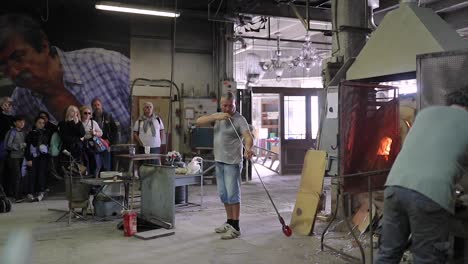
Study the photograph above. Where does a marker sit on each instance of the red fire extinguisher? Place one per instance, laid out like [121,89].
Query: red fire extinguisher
[130,223]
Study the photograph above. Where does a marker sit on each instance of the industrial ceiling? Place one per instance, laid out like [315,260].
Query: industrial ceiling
[287,26]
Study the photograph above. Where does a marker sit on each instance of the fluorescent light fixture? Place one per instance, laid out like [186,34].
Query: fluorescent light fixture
[119,7]
[321,23]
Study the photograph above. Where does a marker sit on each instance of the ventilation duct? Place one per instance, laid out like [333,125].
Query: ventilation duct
[404,33]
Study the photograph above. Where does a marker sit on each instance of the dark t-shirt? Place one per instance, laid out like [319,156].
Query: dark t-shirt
[70,134]
[6,123]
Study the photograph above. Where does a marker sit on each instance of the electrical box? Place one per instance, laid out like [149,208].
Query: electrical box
[192,109]
[228,86]
[202,137]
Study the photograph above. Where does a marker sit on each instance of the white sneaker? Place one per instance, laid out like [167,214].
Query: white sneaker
[30,198]
[223,229]
[40,197]
[231,233]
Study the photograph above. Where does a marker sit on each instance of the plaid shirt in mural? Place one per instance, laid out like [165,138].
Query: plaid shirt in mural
[88,73]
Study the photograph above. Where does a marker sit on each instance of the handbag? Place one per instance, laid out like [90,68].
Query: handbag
[106,143]
[99,144]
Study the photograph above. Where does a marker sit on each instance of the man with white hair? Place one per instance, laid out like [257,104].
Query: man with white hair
[148,130]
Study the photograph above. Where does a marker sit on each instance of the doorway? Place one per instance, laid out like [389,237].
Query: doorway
[265,120]
[287,120]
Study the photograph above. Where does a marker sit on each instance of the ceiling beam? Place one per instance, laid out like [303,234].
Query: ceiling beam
[447,5]
[386,6]
[457,19]
[452,11]
[273,10]
[438,6]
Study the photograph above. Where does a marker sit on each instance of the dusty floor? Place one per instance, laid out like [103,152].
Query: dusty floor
[194,241]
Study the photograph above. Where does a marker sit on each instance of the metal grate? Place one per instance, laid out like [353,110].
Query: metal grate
[440,73]
[368,114]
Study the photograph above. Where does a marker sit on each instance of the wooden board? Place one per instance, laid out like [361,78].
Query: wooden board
[308,196]
[156,233]
[303,216]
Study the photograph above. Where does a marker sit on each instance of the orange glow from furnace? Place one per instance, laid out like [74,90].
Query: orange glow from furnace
[385,147]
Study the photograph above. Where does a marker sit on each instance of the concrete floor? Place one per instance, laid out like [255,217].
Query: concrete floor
[194,241]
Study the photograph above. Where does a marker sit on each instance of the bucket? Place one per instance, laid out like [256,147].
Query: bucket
[179,194]
[130,223]
[78,194]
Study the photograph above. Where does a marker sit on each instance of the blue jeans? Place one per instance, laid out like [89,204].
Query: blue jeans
[409,212]
[106,160]
[94,166]
[228,181]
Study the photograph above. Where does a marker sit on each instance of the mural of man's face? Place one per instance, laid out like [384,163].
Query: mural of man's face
[24,65]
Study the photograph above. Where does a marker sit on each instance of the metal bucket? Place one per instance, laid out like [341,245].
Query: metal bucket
[79,192]
[179,194]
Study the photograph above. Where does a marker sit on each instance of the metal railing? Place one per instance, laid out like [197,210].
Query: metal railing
[323,245]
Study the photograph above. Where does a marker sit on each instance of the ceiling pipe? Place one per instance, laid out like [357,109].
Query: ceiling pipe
[307,17]
[306,22]
[372,4]
[289,40]
[241,40]
[393,7]
[371,20]
[298,15]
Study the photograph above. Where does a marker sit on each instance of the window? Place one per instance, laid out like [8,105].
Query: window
[314,111]
[295,117]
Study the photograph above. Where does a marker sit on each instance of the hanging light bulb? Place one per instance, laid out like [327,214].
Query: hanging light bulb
[279,73]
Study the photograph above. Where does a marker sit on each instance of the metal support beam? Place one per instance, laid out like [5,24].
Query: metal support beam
[321,2]
[305,21]
[274,10]
[447,5]
[452,11]
[288,40]
[299,16]
[457,19]
[386,6]
[438,6]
